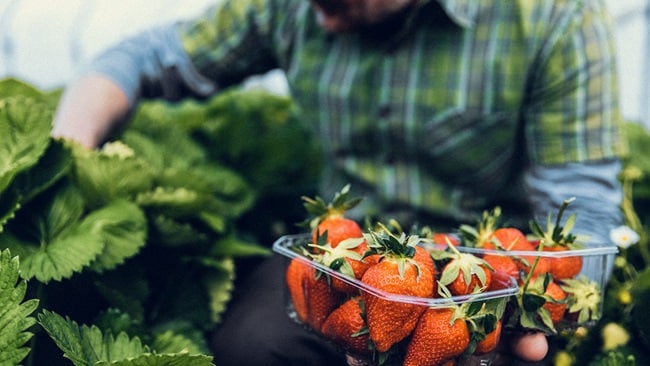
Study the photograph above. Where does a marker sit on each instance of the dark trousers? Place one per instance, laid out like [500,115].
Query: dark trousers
[256,329]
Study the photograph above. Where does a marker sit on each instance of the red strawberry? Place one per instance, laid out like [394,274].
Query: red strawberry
[440,336]
[442,238]
[564,267]
[510,238]
[295,275]
[554,296]
[312,296]
[336,229]
[555,304]
[347,259]
[320,297]
[503,263]
[490,342]
[558,237]
[466,273]
[329,218]
[346,327]
[404,269]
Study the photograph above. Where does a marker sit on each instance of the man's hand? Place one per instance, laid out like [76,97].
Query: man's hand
[531,347]
[89,110]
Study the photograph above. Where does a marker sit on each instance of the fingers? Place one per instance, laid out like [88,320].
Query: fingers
[531,347]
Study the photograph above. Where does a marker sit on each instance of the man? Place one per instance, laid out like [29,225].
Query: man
[433,110]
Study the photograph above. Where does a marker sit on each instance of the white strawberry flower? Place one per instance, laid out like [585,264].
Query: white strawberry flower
[623,236]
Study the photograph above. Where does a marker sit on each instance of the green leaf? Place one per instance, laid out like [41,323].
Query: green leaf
[170,232]
[532,302]
[49,169]
[220,284]
[123,227]
[25,129]
[87,345]
[111,173]
[15,314]
[170,342]
[49,233]
[127,289]
[52,166]
[180,359]
[63,256]
[233,246]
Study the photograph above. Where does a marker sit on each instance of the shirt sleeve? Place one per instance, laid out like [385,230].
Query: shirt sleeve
[572,108]
[151,64]
[597,191]
[221,47]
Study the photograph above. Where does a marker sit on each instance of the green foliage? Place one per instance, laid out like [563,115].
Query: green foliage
[24,127]
[15,319]
[142,235]
[88,345]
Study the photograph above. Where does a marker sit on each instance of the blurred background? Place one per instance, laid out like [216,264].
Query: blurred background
[42,42]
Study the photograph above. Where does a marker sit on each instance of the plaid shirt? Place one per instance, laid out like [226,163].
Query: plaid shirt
[442,112]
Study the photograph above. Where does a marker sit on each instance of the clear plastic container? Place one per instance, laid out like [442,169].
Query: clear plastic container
[505,287]
[588,282]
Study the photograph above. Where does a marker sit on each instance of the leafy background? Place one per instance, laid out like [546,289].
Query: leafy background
[129,254]
[133,250]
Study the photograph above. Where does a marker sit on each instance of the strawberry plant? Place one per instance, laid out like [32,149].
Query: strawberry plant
[15,313]
[131,250]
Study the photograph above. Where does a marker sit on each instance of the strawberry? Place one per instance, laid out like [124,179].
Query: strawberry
[347,259]
[510,238]
[557,238]
[503,264]
[346,327]
[564,267]
[526,263]
[404,269]
[541,303]
[440,336]
[294,276]
[311,294]
[442,238]
[491,340]
[329,218]
[555,302]
[465,273]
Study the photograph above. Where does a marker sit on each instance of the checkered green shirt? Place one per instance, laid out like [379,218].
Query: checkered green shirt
[441,112]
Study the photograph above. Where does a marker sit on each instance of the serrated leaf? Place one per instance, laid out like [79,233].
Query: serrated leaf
[15,315]
[51,167]
[9,205]
[171,232]
[109,174]
[232,246]
[123,227]
[180,359]
[170,342]
[51,240]
[220,284]
[126,289]
[24,126]
[87,345]
[63,257]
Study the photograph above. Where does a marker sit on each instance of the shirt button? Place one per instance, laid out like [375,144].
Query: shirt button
[384,111]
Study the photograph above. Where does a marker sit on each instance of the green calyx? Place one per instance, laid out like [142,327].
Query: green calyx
[399,248]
